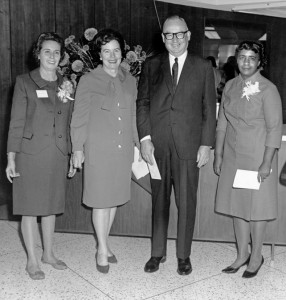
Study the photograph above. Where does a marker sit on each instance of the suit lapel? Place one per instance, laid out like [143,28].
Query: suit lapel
[42,85]
[167,72]
[187,72]
[58,102]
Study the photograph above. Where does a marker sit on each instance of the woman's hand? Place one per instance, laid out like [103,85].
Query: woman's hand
[140,155]
[265,168]
[263,171]
[218,153]
[11,167]
[217,164]
[77,159]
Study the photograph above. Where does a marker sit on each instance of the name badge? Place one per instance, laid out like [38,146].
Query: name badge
[42,94]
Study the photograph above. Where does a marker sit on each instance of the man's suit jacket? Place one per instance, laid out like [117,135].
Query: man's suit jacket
[37,121]
[189,111]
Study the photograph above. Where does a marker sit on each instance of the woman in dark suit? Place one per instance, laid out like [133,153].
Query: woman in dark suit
[103,132]
[249,132]
[38,145]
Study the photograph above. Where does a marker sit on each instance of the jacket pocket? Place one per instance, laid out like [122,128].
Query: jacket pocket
[28,135]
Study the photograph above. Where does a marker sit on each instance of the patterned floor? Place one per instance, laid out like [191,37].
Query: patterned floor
[127,280]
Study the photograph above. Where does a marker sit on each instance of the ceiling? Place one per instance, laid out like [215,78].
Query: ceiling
[274,8]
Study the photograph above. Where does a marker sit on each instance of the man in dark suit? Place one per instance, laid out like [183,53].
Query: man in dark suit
[176,123]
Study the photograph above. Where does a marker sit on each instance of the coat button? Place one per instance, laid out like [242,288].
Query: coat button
[60,136]
[59,112]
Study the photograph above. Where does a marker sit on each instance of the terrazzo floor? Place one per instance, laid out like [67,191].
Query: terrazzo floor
[127,280]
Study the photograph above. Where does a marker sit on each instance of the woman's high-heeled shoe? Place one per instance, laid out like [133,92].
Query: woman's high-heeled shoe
[247,274]
[231,270]
[112,259]
[100,268]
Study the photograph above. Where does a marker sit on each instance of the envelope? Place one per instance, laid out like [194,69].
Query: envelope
[139,168]
[245,179]
[154,171]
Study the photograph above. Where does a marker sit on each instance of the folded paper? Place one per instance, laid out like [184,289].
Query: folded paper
[245,179]
[139,168]
[154,171]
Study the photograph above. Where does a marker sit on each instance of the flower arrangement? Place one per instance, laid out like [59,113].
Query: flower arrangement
[250,89]
[80,57]
[65,91]
[134,60]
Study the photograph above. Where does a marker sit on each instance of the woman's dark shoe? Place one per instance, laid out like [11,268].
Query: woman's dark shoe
[100,268]
[247,274]
[231,270]
[152,264]
[112,259]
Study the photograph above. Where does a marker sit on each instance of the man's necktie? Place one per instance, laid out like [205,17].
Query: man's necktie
[175,73]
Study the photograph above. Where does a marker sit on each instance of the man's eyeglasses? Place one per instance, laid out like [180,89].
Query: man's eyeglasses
[179,35]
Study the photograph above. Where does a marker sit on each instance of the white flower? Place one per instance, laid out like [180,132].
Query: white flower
[131,56]
[90,33]
[65,91]
[77,65]
[250,89]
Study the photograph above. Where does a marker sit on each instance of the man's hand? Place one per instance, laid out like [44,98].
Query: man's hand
[147,151]
[203,155]
[78,159]
[72,170]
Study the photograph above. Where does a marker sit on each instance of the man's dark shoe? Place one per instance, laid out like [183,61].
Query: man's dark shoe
[152,264]
[184,266]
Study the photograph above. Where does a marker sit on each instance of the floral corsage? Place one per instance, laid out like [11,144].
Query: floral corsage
[250,89]
[65,91]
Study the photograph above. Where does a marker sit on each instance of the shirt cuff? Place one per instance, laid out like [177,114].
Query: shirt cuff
[147,137]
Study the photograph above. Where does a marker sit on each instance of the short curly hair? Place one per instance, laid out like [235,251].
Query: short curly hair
[47,36]
[107,35]
[254,46]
